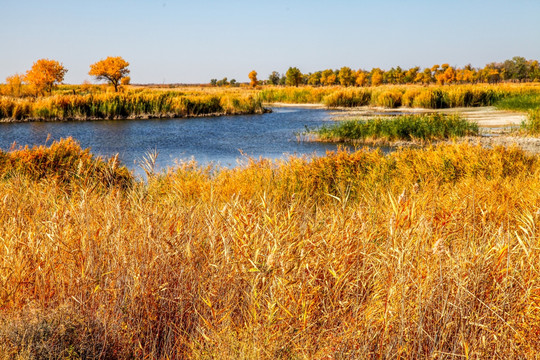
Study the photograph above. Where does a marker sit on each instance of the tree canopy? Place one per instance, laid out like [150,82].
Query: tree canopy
[112,69]
[44,75]
[294,76]
[253,78]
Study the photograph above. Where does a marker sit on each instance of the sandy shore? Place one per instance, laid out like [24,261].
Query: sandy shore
[485,116]
[496,125]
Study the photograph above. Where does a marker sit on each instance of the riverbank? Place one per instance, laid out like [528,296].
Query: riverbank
[134,104]
[137,117]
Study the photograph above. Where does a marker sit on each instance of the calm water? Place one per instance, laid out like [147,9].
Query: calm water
[220,140]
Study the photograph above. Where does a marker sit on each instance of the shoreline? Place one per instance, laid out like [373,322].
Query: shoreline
[131,117]
[485,116]
[526,143]
[303,105]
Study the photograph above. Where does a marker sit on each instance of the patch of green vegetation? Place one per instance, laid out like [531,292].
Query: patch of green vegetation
[520,102]
[532,125]
[404,127]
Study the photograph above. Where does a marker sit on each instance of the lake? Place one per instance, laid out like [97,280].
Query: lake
[220,140]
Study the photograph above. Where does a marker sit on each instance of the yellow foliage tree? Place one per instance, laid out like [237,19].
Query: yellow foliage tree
[376,77]
[346,76]
[361,78]
[440,78]
[449,75]
[14,85]
[44,75]
[112,69]
[328,77]
[253,78]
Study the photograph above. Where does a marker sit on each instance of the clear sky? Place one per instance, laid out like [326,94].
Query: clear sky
[167,41]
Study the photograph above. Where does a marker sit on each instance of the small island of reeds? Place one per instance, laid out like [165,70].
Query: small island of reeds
[386,130]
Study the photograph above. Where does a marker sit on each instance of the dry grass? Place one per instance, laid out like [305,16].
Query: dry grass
[418,254]
[90,102]
[133,103]
[392,96]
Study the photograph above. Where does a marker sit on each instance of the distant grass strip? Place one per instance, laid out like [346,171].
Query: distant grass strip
[406,127]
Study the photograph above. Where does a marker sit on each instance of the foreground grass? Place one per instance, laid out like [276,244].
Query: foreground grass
[417,254]
[398,128]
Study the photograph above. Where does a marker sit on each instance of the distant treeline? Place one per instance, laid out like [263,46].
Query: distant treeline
[517,69]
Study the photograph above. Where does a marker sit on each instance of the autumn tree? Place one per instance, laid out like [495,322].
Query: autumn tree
[294,76]
[44,75]
[315,78]
[361,78]
[427,77]
[449,75]
[411,74]
[328,77]
[253,78]
[14,85]
[376,77]
[346,76]
[112,69]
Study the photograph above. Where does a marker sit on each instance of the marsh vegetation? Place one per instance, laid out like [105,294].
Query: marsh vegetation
[386,130]
[419,253]
[349,255]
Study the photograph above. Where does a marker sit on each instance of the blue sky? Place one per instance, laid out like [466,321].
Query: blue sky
[169,41]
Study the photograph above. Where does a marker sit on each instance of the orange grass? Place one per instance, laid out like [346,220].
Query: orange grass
[428,253]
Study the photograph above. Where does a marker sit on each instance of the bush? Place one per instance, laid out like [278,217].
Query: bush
[66,163]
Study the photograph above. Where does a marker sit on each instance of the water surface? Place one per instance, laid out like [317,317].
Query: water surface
[220,140]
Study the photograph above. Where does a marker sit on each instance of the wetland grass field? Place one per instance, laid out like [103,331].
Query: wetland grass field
[430,252]
[419,253]
[91,102]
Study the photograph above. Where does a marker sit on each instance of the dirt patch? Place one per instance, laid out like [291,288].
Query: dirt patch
[529,144]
